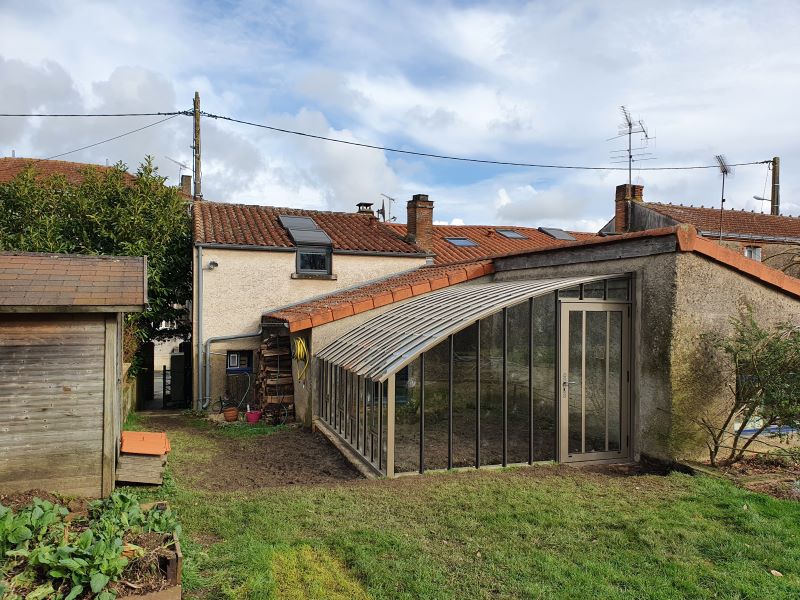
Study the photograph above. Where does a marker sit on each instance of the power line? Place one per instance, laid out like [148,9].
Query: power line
[116,137]
[461,158]
[363,145]
[150,114]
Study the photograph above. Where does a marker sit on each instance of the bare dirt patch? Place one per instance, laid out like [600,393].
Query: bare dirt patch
[292,456]
[776,476]
[18,500]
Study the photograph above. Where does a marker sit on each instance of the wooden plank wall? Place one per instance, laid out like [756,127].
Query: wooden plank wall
[52,397]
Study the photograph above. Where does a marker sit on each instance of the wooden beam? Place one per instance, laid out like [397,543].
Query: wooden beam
[109,399]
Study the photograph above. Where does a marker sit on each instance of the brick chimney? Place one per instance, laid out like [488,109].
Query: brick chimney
[186,184]
[420,221]
[625,193]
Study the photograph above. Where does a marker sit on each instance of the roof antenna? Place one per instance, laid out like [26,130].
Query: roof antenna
[630,155]
[180,165]
[382,210]
[726,170]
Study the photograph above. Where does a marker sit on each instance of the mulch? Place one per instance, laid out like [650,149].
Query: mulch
[778,478]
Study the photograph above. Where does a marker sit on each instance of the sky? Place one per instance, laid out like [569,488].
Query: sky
[533,82]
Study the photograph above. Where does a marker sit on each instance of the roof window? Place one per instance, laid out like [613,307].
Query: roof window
[511,234]
[558,234]
[461,241]
[304,231]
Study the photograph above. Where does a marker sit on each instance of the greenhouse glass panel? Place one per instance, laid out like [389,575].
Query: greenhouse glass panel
[465,379]
[543,325]
[491,365]
[518,383]
[407,398]
[437,405]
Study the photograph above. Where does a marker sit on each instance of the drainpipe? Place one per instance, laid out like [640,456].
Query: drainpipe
[199,328]
[207,366]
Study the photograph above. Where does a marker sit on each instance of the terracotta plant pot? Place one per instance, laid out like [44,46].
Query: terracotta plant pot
[253,416]
[231,414]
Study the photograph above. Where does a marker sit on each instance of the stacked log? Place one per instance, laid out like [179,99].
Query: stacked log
[274,384]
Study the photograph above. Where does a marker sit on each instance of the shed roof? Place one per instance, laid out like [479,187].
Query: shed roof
[247,225]
[39,282]
[385,344]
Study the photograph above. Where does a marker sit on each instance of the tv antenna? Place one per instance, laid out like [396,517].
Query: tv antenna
[387,215]
[180,164]
[627,128]
[726,170]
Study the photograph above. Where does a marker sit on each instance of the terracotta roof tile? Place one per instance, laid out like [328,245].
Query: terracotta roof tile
[345,303]
[489,242]
[259,226]
[39,279]
[72,171]
[733,221]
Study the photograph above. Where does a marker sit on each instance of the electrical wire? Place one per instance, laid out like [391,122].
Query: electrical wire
[116,137]
[461,158]
[150,114]
[370,146]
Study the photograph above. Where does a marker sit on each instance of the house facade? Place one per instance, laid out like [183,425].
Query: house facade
[769,238]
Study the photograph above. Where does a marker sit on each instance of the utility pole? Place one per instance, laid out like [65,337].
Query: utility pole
[776,186]
[198,194]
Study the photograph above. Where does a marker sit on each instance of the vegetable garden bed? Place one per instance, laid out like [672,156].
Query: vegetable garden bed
[113,548]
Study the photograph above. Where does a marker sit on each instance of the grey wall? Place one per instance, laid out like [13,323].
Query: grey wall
[708,296]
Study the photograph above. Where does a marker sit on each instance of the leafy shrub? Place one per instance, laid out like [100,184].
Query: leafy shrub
[43,555]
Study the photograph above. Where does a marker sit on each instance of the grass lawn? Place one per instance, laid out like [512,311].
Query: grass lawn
[542,532]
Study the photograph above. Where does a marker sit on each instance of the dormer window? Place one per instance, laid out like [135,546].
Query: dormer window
[314,246]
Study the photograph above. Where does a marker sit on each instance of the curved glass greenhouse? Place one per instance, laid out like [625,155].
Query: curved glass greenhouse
[493,373]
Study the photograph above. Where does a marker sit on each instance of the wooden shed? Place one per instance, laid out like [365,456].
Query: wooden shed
[61,367]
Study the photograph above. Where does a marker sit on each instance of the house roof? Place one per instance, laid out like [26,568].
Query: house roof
[72,171]
[38,282]
[489,241]
[686,239]
[734,222]
[346,303]
[219,223]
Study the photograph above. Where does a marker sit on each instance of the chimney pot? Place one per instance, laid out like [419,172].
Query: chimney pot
[420,221]
[186,184]
[365,208]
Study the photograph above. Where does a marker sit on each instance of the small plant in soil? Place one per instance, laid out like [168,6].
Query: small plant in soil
[48,553]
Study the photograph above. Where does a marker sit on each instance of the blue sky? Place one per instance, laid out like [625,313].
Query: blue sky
[532,82]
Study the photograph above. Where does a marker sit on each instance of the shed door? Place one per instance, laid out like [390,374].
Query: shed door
[51,403]
[594,399]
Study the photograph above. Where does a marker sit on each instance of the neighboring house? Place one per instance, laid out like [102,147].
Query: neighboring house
[772,239]
[61,368]
[249,259]
[580,351]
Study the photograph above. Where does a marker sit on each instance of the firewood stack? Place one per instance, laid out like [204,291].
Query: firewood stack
[274,384]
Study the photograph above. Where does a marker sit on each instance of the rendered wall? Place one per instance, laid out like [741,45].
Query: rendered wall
[708,296]
[248,283]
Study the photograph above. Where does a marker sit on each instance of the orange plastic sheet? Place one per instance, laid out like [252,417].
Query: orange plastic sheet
[145,442]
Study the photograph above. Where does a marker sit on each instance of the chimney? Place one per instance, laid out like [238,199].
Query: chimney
[186,184]
[625,193]
[420,221]
[365,208]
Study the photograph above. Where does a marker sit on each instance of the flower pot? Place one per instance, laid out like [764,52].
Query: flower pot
[253,416]
[231,414]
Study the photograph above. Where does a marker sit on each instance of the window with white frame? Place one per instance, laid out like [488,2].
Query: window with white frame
[753,252]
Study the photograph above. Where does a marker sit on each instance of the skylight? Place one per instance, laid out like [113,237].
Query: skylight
[556,233]
[511,234]
[304,231]
[461,241]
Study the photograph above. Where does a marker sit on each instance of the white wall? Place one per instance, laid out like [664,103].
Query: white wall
[248,283]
